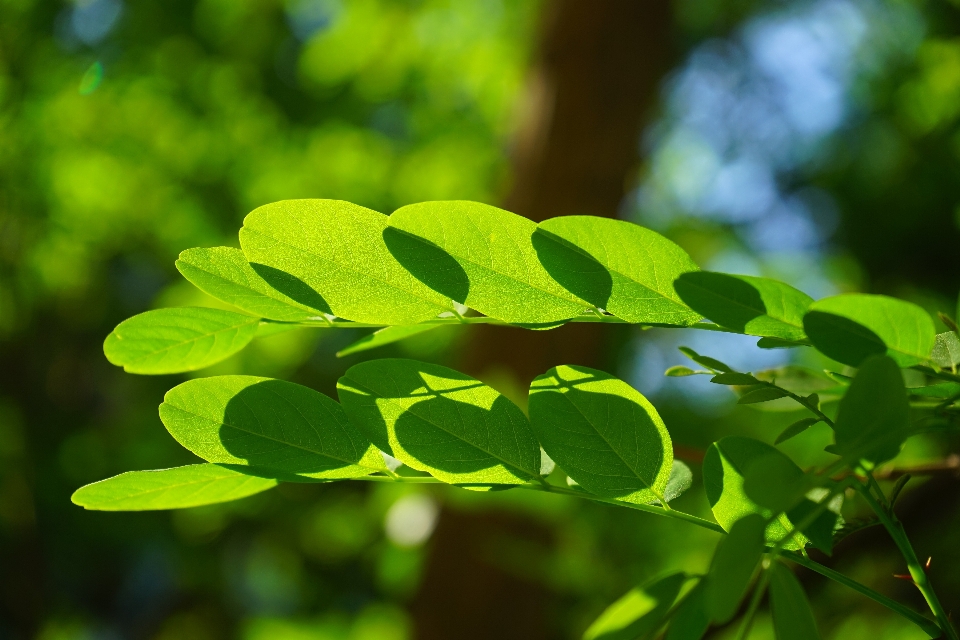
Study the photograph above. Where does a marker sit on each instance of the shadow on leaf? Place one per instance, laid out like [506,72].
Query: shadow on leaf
[725,299]
[842,339]
[292,287]
[576,271]
[428,263]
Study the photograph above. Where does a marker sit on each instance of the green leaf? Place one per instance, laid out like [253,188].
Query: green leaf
[268,424]
[225,274]
[765,394]
[778,343]
[639,612]
[330,256]
[852,327]
[732,568]
[734,379]
[774,482]
[178,339]
[602,432]
[386,336]
[482,257]
[681,479]
[946,350]
[872,421]
[796,429]
[792,617]
[706,361]
[680,372]
[691,620]
[191,486]
[819,531]
[725,466]
[618,266]
[438,420]
[746,304]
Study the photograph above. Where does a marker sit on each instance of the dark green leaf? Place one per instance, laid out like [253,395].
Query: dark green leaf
[897,489]
[819,528]
[617,266]
[850,328]
[777,343]
[691,620]
[602,432]
[796,429]
[330,256]
[386,336]
[178,339]
[766,394]
[733,566]
[747,304]
[438,420]
[706,361]
[268,424]
[639,612]
[774,481]
[482,257]
[191,486]
[734,379]
[792,617]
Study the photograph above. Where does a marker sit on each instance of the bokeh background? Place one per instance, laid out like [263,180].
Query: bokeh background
[815,141]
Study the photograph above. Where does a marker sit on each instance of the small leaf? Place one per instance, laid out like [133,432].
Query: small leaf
[681,479]
[638,612]
[733,566]
[734,379]
[225,274]
[774,482]
[872,421]
[852,327]
[178,339]
[792,617]
[268,424]
[765,394]
[746,304]
[438,420]
[618,266]
[947,320]
[679,372]
[777,343]
[602,432]
[691,620]
[386,336]
[796,429]
[178,488]
[946,350]
[707,361]
[480,256]
[820,530]
[330,255]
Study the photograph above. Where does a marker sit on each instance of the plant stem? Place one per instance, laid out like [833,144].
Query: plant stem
[898,533]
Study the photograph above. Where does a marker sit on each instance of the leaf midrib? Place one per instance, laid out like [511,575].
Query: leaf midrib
[247,287]
[763,312]
[208,481]
[191,340]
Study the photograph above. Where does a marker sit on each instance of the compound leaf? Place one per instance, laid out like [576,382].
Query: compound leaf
[618,266]
[852,327]
[480,256]
[268,424]
[178,488]
[640,611]
[225,274]
[386,336]
[792,616]
[602,432]
[330,256]
[747,304]
[731,570]
[178,339]
[438,420]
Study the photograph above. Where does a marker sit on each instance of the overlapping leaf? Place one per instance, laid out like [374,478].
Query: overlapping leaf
[602,432]
[178,339]
[639,612]
[385,336]
[732,568]
[268,424]
[789,607]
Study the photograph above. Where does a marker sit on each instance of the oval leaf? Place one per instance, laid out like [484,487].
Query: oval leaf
[480,256]
[440,421]
[602,432]
[764,394]
[792,617]
[618,266]
[873,416]
[330,256]
[225,274]
[639,611]
[850,328]
[747,304]
[386,336]
[732,568]
[178,339]
[268,424]
[691,620]
[191,486]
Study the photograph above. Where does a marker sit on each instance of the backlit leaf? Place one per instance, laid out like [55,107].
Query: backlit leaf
[792,617]
[268,424]
[796,429]
[691,620]
[330,256]
[438,420]
[765,394]
[178,339]
[602,432]
[639,611]
[734,379]
[618,266]
[482,257]
[706,361]
[737,556]
[191,486]
[386,336]
[850,328]
[747,304]
[946,350]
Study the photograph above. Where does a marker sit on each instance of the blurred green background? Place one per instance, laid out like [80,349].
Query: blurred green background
[816,141]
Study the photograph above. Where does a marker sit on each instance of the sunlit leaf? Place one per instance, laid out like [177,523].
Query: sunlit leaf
[850,328]
[747,304]
[737,556]
[618,266]
[602,432]
[191,486]
[386,336]
[946,350]
[638,612]
[680,372]
[482,257]
[438,420]
[792,617]
[681,479]
[178,339]
[330,256]
[268,424]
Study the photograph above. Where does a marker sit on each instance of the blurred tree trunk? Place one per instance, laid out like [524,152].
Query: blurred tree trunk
[594,81]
